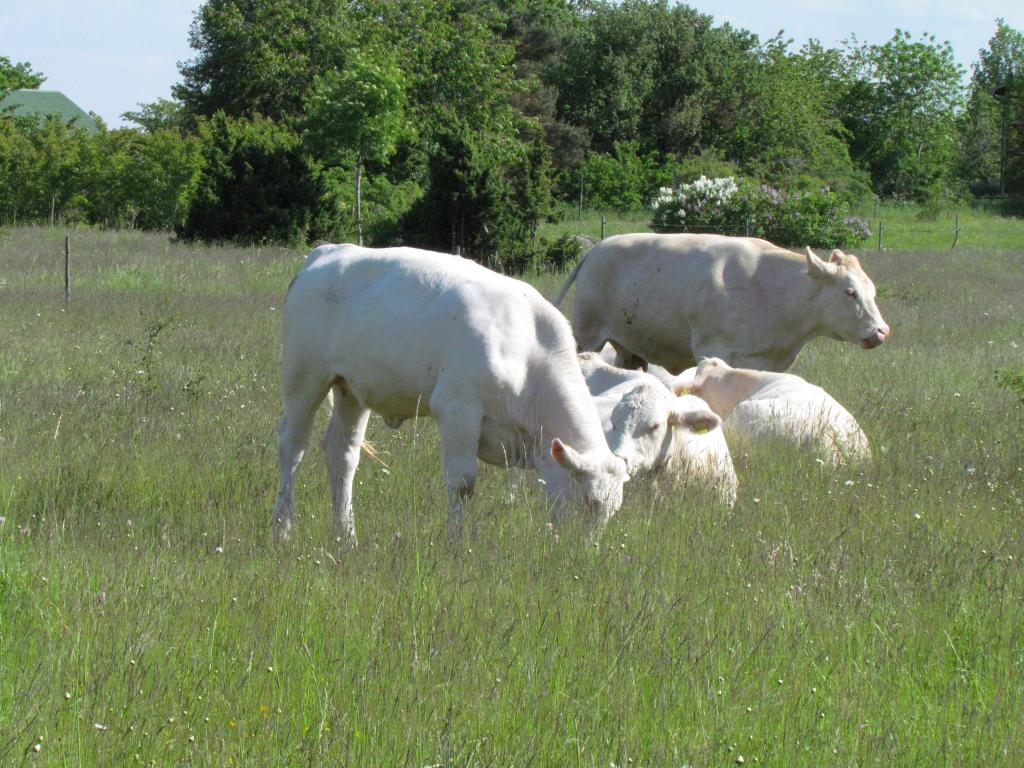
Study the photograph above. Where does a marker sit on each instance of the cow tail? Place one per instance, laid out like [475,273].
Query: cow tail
[570,280]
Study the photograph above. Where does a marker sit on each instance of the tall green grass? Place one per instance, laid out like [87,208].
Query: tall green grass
[871,616]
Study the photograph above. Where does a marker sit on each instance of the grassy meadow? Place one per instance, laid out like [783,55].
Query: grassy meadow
[867,617]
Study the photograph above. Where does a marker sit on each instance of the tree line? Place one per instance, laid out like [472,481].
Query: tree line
[463,124]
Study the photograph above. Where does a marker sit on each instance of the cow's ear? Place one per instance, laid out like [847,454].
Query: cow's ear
[567,458]
[837,257]
[683,383]
[820,270]
[698,421]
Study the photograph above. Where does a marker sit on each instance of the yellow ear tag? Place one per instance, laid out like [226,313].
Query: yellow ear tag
[684,391]
[701,428]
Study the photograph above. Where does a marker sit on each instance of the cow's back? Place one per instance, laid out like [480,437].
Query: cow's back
[659,295]
[393,322]
[805,414]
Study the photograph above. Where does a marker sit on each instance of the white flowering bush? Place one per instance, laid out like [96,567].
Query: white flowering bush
[820,218]
[700,205]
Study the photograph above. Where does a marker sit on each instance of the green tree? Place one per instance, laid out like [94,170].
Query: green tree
[483,203]
[256,185]
[664,77]
[988,128]
[259,57]
[48,170]
[358,110]
[18,161]
[144,180]
[900,107]
[161,114]
[14,76]
[786,129]
[539,31]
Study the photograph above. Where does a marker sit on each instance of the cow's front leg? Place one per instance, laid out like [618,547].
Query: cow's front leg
[459,424]
[342,443]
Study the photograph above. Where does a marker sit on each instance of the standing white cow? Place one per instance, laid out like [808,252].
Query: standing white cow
[402,332]
[757,404]
[671,299]
[652,429]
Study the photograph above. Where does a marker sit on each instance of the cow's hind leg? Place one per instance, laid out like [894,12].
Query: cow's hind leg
[302,397]
[589,337]
[342,443]
[459,422]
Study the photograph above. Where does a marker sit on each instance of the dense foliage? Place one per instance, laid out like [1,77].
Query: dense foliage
[462,125]
[993,124]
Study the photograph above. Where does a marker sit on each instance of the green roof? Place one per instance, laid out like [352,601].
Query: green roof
[25,101]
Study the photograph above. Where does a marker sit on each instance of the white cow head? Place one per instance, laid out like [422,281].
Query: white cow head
[848,309]
[593,483]
[720,385]
[645,424]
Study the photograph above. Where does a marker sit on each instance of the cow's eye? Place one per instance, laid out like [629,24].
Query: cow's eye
[851,293]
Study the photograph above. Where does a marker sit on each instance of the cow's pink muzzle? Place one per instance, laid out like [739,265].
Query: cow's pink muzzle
[876,338]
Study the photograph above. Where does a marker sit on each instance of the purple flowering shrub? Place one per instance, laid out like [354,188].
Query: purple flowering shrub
[820,218]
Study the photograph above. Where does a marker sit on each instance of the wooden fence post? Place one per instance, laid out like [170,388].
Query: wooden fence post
[67,268]
[602,226]
[880,230]
[956,232]
[580,214]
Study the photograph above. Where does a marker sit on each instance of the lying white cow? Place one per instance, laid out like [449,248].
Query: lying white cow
[671,299]
[402,332]
[652,429]
[756,404]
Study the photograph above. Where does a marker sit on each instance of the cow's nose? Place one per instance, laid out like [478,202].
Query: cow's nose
[872,341]
[884,330]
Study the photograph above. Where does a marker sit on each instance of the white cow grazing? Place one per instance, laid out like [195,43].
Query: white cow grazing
[671,299]
[757,404]
[652,429]
[402,332]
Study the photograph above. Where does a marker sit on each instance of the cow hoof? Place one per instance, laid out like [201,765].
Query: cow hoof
[282,532]
[346,541]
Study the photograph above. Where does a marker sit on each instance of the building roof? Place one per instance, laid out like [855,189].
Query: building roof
[26,101]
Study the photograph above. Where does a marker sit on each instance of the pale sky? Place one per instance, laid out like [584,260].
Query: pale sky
[109,55]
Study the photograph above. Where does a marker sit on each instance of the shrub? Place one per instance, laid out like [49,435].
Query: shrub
[691,167]
[487,199]
[1013,380]
[819,218]
[701,206]
[564,251]
[621,181]
[256,186]
[629,179]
